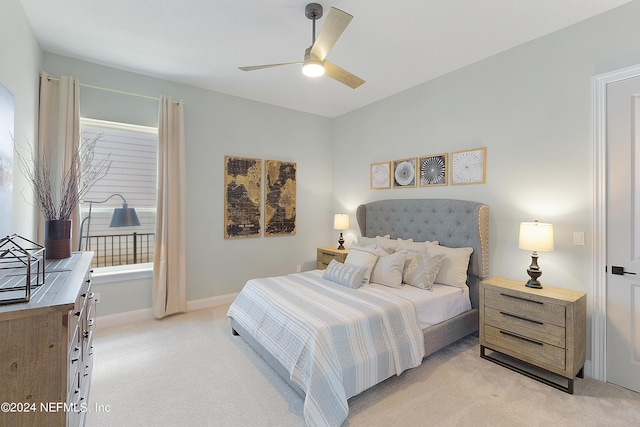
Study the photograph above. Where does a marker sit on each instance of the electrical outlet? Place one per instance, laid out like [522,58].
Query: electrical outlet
[578,238]
[298,268]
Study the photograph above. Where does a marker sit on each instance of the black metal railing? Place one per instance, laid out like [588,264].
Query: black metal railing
[122,249]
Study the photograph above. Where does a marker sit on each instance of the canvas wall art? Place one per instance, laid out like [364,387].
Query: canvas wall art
[242,197]
[280,198]
[6,160]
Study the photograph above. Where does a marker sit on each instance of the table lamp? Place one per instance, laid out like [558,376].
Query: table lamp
[341,222]
[537,237]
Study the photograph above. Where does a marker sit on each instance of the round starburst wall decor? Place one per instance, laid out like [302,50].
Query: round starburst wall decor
[433,170]
[404,173]
[468,167]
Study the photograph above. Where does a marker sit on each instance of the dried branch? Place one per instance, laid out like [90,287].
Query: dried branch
[84,171]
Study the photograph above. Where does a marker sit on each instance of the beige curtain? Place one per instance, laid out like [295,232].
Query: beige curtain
[59,133]
[169,270]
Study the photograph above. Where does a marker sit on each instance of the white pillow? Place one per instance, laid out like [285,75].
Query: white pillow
[365,257]
[366,241]
[388,270]
[386,244]
[453,271]
[410,245]
[344,274]
[420,269]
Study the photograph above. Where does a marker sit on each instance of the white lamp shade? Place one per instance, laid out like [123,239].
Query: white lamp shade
[341,222]
[536,236]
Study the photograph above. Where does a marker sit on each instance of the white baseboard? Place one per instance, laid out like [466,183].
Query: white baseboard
[129,317]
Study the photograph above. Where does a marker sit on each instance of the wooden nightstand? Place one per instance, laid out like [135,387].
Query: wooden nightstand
[545,328]
[327,253]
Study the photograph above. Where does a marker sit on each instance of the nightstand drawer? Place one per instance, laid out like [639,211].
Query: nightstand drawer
[524,307]
[327,253]
[536,330]
[527,349]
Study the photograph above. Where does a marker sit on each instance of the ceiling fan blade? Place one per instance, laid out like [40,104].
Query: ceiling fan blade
[260,67]
[332,29]
[341,75]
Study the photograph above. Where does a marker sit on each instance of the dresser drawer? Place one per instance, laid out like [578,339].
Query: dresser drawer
[524,307]
[525,348]
[534,329]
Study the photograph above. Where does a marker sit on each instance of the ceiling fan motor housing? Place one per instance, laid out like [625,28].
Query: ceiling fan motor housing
[313,11]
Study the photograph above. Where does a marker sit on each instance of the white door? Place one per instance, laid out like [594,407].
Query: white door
[623,234]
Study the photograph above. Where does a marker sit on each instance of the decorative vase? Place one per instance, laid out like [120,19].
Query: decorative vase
[57,238]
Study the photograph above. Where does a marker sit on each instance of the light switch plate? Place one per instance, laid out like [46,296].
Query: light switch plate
[578,238]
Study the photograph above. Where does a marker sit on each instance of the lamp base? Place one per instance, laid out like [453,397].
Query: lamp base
[533,284]
[534,272]
[341,242]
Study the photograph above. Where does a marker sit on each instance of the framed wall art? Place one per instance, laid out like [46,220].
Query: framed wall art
[242,197]
[6,160]
[469,166]
[404,173]
[433,170]
[380,176]
[279,198]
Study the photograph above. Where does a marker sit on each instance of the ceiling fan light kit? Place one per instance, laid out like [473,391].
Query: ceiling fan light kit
[314,63]
[312,66]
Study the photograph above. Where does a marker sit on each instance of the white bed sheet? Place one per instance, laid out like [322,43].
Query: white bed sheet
[435,306]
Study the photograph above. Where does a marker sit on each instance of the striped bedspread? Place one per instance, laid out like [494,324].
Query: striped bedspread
[334,341]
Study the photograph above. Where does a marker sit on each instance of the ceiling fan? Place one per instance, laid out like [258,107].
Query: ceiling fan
[314,63]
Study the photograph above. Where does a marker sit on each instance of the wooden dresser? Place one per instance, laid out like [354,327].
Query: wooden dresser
[46,348]
[327,253]
[545,328]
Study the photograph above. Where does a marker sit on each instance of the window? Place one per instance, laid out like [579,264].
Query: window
[133,152]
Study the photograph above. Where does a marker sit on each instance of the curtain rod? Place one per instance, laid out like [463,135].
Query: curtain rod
[155,98]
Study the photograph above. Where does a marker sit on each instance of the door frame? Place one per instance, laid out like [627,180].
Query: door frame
[599,254]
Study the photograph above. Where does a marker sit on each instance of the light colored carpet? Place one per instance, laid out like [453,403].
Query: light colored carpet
[188,370]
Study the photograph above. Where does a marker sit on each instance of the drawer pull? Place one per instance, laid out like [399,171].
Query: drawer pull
[521,337]
[521,318]
[520,298]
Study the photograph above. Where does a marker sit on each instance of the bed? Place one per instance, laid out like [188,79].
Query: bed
[392,321]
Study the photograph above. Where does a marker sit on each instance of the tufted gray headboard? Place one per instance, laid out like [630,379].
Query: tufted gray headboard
[453,223]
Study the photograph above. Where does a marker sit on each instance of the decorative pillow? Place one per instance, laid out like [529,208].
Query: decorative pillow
[386,244]
[453,271]
[420,269]
[366,241]
[410,245]
[344,274]
[365,257]
[388,270]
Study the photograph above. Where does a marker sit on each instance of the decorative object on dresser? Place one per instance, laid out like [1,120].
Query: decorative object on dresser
[537,237]
[341,222]
[21,269]
[545,328]
[328,253]
[46,348]
[121,217]
[58,192]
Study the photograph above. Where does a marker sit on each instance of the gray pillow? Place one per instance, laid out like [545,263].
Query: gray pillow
[344,274]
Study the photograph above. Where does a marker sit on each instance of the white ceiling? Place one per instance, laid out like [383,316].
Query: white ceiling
[392,44]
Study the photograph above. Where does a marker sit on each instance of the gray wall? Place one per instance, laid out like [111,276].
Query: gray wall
[531,107]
